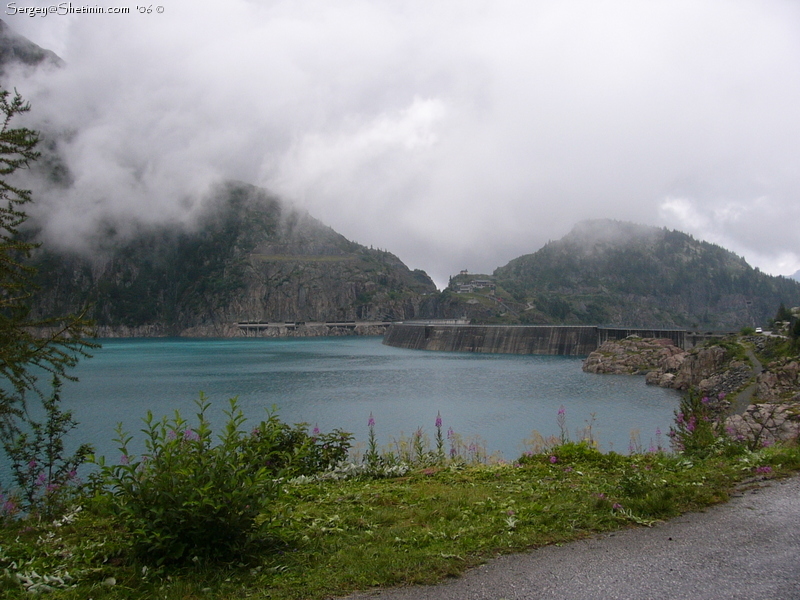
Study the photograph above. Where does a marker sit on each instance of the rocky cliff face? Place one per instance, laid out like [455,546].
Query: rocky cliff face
[249,258]
[18,50]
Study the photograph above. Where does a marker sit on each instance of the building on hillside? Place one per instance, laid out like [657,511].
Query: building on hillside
[476,284]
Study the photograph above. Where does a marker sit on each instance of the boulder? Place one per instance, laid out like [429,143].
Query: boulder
[765,424]
[633,356]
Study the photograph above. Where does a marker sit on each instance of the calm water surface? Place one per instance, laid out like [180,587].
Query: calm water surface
[337,382]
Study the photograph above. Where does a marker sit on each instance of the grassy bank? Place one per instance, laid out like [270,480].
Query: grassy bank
[330,537]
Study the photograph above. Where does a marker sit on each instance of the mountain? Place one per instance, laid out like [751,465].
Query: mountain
[15,48]
[250,257]
[796,276]
[616,273]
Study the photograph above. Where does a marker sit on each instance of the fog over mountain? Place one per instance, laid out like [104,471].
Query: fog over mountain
[455,134]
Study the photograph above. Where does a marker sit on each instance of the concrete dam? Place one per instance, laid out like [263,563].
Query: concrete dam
[562,340]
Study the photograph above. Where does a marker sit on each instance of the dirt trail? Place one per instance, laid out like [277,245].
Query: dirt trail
[744,398]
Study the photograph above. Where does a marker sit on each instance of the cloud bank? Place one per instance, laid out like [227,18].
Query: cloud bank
[455,134]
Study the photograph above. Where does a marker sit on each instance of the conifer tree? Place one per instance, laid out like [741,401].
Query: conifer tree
[31,348]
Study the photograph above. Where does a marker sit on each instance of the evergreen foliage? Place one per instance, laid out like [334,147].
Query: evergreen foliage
[611,273]
[29,346]
[248,257]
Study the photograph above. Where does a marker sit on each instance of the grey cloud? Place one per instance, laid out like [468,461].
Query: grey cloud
[455,134]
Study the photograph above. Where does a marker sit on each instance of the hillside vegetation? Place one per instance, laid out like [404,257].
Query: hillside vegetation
[249,257]
[609,272]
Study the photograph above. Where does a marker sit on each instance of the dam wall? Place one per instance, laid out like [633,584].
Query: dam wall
[563,340]
[494,339]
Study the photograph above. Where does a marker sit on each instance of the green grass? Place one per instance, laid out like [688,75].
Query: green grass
[334,537]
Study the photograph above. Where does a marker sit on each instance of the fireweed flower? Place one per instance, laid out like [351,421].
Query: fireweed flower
[617,506]
[315,431]
[124,460]
[9,506]
[371,421]
[438,420]
[553,460]
[190,436]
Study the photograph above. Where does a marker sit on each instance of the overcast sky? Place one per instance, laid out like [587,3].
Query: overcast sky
[456,134]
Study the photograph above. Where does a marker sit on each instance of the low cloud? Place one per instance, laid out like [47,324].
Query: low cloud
[455,134]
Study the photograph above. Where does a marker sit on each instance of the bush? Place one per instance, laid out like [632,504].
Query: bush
[698,430]
[45,475]
[187,497]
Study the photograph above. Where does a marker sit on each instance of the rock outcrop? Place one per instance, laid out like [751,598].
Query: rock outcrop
[714,372]
[780,380]
[710,369]
[766,424]
[634,356]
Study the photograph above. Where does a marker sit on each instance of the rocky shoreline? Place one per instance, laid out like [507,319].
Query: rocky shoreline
[771,410]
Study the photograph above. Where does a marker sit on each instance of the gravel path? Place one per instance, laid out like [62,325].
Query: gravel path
[745,397]
[747,549]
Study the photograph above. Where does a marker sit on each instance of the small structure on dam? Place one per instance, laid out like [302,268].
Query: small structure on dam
[561,340]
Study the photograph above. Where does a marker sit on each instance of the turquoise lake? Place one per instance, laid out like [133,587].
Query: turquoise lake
[338,382]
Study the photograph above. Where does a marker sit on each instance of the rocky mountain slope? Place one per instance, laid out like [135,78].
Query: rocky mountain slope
[610,272]
[249,258]
[16,49]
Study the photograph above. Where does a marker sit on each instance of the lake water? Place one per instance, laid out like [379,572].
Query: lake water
[338,382]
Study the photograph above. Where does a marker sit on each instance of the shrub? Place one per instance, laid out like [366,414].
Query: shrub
[698,430]
[45,475]
[186,497]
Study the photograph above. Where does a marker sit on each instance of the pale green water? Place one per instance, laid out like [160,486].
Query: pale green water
[337,382]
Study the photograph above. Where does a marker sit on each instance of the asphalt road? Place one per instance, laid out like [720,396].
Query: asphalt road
[747,549]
